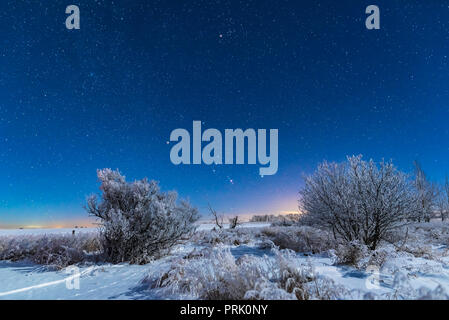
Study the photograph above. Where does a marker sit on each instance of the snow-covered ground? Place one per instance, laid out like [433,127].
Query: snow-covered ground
[402,275]
[36,231]
[19,232]
[210,226]
[27,281]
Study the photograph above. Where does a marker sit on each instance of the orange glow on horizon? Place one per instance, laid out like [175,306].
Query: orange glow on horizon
[88,223]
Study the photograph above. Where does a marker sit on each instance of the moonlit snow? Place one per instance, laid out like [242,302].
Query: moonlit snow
[402,276]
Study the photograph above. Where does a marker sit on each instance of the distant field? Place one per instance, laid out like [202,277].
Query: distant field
[202,226]
[14,232]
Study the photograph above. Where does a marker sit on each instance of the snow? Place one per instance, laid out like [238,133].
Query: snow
[96,282]
[19,232]
[36,231]
[27,281]
[402,275]
[210,226]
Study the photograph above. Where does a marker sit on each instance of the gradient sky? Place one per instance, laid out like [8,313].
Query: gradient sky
[109,94]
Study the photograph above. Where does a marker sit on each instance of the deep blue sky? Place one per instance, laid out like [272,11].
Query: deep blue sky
[109,94]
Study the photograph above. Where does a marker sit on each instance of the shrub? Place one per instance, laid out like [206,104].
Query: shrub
[138,221]
[358,200]
[352,254]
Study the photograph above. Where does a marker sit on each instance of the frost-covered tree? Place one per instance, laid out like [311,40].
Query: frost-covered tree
[445,194]
[138,222]
[425,195]
[357,200]
[442,200]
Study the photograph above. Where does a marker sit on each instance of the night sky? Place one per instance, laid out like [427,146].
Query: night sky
[109,95]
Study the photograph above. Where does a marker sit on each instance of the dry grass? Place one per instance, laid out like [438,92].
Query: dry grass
[215,274]
[300,239]
[56,250]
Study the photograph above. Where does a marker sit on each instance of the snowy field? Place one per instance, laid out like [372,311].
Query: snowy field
[237,260]
[18,232]
[210,226]
[23,232]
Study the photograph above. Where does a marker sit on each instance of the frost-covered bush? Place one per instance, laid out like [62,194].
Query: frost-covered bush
[138,222]
[380,256]
[442,200]
[56,250]
[426,195]
[216,274]
[357,255]
[357,199]
[352,254]
[300,239]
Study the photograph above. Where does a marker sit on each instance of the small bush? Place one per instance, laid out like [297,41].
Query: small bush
[358,200]
[380,256]
[352,254]
[138,221]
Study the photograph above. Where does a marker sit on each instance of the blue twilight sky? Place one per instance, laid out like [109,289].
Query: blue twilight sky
[109,94]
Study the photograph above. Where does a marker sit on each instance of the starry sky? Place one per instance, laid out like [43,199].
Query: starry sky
[109,95]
